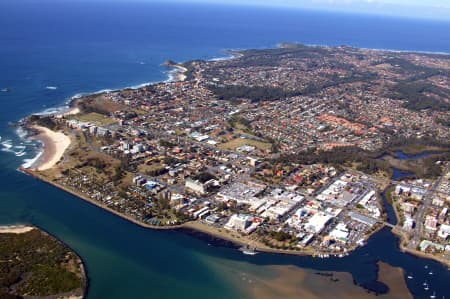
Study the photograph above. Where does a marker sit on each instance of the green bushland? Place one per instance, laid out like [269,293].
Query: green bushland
[36,264]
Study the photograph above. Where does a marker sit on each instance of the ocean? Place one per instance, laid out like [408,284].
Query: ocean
[51,51]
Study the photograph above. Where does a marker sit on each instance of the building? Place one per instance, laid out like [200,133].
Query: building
[368,197]
[362,218]
[139,180]
[213,218]
[431,223]
[340,233]
[201,213]
[93,130]
[408,223]
[243,223]
[427,245]
[318,222]
[238,222]
[444,231]
[196,186]
[408,207]
[239,192]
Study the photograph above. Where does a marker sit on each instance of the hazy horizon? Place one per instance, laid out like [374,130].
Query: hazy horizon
[431,9]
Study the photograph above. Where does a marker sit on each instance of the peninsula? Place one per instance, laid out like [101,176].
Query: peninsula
[276,149]
[36,265]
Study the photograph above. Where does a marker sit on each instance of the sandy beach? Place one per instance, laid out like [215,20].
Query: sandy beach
[180,76]
[55,144]
[15,229]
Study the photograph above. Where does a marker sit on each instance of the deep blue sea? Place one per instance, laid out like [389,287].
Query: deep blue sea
[53,50]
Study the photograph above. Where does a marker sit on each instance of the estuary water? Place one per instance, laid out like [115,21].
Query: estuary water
[53,50]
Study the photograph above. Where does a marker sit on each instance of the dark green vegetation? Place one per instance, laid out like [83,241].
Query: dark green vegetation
[420,95]
[35,264]
[264,93]
[367,161]
[372,162]
[255,93]
[428,167]
[44,121]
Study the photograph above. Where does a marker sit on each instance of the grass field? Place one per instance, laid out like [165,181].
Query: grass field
[95,118]
[235,143]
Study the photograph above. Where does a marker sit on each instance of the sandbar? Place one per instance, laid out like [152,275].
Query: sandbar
[15,229]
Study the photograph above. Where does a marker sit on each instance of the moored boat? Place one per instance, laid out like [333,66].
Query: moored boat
[248,250]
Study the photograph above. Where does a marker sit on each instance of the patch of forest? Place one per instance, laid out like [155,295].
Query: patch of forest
[36,264]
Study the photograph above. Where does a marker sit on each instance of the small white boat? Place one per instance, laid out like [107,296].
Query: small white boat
[431,272]
[410,277]
[433,296]
[426,288]
[248,250]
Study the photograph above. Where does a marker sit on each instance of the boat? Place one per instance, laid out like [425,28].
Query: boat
[433,296]
[425,283]
[6,90]
[410,277]
[248,250]
[426,288]
[431,272]
[426,267]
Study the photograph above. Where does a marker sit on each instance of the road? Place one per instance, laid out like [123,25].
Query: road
[421,212]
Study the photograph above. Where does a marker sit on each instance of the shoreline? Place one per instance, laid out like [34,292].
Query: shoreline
[22,229]
[51,159]
[81,263]
[15,229]
[280,45]
[198,227]
[54,146]
[416,253]
[179,73]
[69,103]
[402,237]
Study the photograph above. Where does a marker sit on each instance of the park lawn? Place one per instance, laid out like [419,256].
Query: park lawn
[235,143]
[95,118]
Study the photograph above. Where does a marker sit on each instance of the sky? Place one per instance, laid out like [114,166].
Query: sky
[430,9]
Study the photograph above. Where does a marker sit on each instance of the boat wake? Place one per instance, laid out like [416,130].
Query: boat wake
[51,87]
